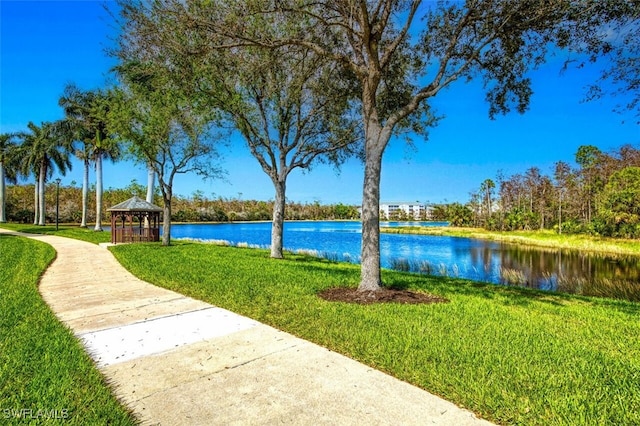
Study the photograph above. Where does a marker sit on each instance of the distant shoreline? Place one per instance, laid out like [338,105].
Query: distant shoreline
[545,238]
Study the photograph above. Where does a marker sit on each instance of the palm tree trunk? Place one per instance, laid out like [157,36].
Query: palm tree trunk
[3,213]
[42,209]
[98,226]
[35,202]
[85,193]
[277,226]
[151,177]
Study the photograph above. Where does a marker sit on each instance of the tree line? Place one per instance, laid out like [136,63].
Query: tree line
[194,208]
[600,196]
[307,82]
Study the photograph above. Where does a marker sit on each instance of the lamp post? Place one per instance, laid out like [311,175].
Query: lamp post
[57,201]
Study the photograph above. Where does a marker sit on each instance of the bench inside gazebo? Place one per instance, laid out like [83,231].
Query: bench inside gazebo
[134,221]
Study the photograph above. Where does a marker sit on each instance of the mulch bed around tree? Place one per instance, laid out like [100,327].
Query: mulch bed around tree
[385,295]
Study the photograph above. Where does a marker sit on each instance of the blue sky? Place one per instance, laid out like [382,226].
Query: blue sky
[46,44]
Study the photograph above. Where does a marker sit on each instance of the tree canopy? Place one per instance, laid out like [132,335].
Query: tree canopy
[291,106]
[396,55]
[162,129]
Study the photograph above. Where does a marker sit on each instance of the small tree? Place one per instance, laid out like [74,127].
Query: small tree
[164,130]
[563,176]
[486,190]
[588,158]
[290,109]
[290,105]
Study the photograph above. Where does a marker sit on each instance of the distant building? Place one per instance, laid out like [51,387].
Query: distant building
[405,211]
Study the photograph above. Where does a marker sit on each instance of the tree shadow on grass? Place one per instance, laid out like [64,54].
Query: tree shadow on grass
[404,287]
[468,288]
[502,294]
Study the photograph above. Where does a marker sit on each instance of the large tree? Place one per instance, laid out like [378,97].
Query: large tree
[76,105]
[87,112]
[163,129]
[400,53]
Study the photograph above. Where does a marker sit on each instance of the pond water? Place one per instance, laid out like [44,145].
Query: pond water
[499,263]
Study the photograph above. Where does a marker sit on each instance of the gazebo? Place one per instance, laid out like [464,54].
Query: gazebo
[135,220]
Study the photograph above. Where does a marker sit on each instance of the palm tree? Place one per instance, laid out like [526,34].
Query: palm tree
[84,154]
[104,149]
[75,104]
[88,111]
[44,149]
[7,147]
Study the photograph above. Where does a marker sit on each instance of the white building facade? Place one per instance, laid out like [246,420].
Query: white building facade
[404,211]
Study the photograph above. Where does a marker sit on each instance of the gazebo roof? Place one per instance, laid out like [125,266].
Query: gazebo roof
[135,204]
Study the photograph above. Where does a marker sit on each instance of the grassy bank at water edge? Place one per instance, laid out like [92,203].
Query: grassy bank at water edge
[545,238]
[512,356]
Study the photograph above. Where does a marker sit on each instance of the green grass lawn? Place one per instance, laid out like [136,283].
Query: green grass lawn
[45,375]
[513,356]
[70,231]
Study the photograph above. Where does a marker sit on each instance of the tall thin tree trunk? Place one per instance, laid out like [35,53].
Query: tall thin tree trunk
[277,227]
[42,209]
[370,278]
[151,177]
[36,203]
[560,214]
[98,226]
[3,213]
[85,193]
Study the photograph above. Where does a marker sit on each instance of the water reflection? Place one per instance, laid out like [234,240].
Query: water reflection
[561,270]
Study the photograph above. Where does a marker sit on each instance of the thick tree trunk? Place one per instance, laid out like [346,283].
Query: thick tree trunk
[370,278]
[3,213]
[151,177]
[278,220]
[85,193]
[166,220]
[42,209]
[98,226]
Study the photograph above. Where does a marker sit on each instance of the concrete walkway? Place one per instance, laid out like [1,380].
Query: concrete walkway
[179,361]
